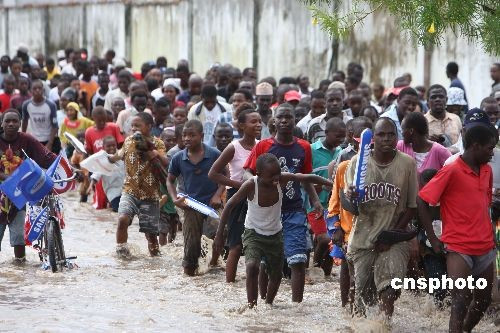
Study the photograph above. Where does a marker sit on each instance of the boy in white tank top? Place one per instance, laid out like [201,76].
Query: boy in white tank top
[263,238]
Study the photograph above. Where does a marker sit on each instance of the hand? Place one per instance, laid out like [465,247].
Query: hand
[80,176]
[351,193]
[151,154]
[318,208]
[215,202]
[180,202]
[218,244]
[436,138]
[437,245]
[414,248]
[338,237]
[163,200]
[380,247]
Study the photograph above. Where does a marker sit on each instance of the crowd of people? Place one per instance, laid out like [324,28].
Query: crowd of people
[277,159]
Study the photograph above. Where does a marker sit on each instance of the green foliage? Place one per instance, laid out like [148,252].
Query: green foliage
[425,20]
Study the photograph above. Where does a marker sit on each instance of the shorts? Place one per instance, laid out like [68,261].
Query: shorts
[168,223]
[259,247]
[377,269]
[148,212]
[115,203]
[295,237]
[192,230]
[236,224]
[478,264]
[16,230]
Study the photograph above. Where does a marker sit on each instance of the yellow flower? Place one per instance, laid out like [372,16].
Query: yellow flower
[432,29]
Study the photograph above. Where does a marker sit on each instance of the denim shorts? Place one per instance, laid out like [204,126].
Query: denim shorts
[148,212]
[295,237]
[16,230]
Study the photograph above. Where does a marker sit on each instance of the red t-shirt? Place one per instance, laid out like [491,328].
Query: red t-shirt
[465,198]
[294,158]
[4,101]
[93,137]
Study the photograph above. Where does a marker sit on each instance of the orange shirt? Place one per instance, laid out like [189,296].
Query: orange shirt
[334,206]
[90,88]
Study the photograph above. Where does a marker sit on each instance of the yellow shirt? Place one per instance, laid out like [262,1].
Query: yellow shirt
[451,125]
[50,75]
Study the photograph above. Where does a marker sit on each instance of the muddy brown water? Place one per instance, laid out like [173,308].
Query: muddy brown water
[108,294]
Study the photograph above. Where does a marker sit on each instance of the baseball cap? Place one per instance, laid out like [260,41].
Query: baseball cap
[292,95]
[475,117]
[395,90]
[264,89]
[456,96]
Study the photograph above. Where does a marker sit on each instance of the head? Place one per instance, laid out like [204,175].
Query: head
[168,138]
[161,62]
[385,135]
[355,127]
[366,90]
[355,102]
[109,56]
[11,121]
[72,110]
[370,112]
[490,106]
[414,125]
[421,92]
[16,67]
[75,84]
[142,122]
[334,102]
[4,63]
[318,103]
[99,117]
[37,90]
[352,83]
[241,96]
[9,84]
[117,105]
[223,135]
[182,72]
[264,96]
[109,145]
[268,169]
[139,100]
[303,81]
[250,74]
[192,134]
[103,80]
[495,72]
[407,101]
[284,119]
[426,176]
[180,115]
[301,110]
[335,132]
[161,110]
[24,85]
[234,77]
[124,80]
[436,99]
[209,97]
[323,85]
[338,76]
[249,122]
[452,70]
[479,143]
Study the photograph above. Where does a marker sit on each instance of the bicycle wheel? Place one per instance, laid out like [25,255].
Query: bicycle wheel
[57,258]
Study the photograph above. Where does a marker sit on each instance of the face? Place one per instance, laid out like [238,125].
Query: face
[37,90]
[9,85]
[210,102]
[117,105]
[155,74]
[75,84]
[123,84]
[168,138]
[334,103]
[251,75]
[270,174]
[300,112]
[437,100]
[456,109]
[72,113]
[264,102]
[407,104]
[179,116]
[223,136]
[484,153]
[103,80]
[160,113]
[23,86]
[138,125]
[140,102]
[11,124]
[492,112]
[252,125]
[99,119]
[335,138]
[284,121]
[407,132]
[234,80]
[304,82]
[317,107]
[238,99]
[169,92]
[355,104]
[385,138]
[4,63]
[495,73]
[195,87]
[16,69]
[191,137]
[109,146]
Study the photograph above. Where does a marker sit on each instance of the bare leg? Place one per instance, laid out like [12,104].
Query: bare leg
[252,270]
[163,239]
[298,281]
[481,299]
[387,298]
[460,298]
[121,231]
[153,247]
[272,288]
[263,280]
[190,271]
[232,263]
[19,251]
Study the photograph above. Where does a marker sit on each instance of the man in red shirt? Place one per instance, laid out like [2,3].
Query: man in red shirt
[94,135]
[9,83]
[464,191]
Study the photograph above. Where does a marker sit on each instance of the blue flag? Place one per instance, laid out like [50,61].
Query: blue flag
[37,223]
[11,185]
[53,167]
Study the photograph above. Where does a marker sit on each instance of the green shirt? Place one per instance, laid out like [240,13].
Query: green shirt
[169,206]
[321,157]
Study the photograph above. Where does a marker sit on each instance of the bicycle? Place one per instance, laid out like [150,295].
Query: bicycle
[49,244]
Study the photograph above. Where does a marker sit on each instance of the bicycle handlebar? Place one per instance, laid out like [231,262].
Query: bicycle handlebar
[58,181]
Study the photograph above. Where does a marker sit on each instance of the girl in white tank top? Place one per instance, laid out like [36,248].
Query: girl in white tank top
[264,220]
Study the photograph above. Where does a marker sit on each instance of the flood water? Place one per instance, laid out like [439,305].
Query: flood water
[151,294]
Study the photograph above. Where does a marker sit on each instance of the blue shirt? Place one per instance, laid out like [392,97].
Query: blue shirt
[195,176]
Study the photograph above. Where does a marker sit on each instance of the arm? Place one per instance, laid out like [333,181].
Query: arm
[116,157]
[24,124]
[313,196]
[25,118]
[303,178]
[216,200]
[242,194]
[52,136]
[405,218]
[216,173]
[172,191]
[55,127]
[424,215]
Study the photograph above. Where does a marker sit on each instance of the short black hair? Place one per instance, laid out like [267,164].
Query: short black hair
[138,93]
[246,93]
[194,124]
[124,74]
[162,103]
[353,80]
[264,160]
[334,123]
[325,82]
[242,115]
[247,69]
[223,125]
[208,91]
[480,134]
[434,87]
[418,122]
[452,68]
[146,118]
[317,94]
[287,80]
[11,110]
[381,119]
[50,61]
[487,100]
[407,91]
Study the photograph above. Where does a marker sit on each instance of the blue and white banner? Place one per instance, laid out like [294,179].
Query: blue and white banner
[362,163]
[38,217]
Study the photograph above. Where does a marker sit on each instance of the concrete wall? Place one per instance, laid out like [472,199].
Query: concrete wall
[276,36]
